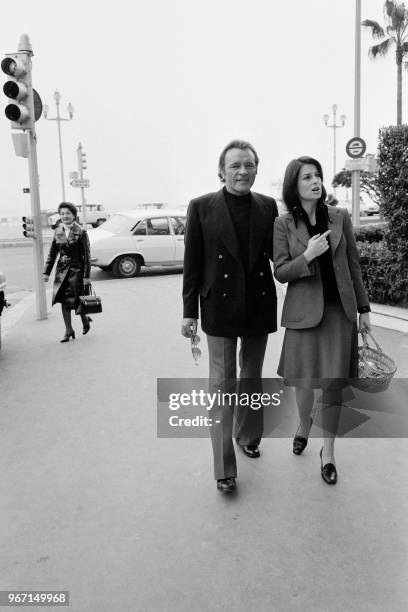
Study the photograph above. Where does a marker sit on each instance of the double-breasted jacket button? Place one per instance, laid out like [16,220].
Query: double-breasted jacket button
[225,275]
[224,295]
[263,292]
[220,256]
[261,274]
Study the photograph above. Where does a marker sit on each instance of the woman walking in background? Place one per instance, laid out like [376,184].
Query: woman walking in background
[71,242]
[316,254]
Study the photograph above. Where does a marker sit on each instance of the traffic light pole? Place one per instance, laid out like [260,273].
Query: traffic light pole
[21,112]
[38,248]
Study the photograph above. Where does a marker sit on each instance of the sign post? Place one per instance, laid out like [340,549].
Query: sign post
[355,175]
[81,182]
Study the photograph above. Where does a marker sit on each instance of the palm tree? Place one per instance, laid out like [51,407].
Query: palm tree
[396,26]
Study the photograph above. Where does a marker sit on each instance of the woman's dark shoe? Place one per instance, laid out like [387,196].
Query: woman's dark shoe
[68,336]
[300,443]
[328,471]
[86,326]
[226,485]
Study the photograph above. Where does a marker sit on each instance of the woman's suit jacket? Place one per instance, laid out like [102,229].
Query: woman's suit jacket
[233,301]
[74,263]
[304,302]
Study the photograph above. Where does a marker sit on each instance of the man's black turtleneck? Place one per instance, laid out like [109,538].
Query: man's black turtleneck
[240,210]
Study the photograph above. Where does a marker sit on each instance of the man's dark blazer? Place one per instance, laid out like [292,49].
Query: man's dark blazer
[233,302]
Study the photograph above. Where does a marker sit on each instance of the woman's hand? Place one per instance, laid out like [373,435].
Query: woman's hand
[316,246]
[364,322]
[87,281]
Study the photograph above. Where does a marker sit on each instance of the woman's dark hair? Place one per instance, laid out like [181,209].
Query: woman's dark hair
[235,144]
[290,194]
[70,207]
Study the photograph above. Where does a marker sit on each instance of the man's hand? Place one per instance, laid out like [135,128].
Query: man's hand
[316,246]
[364,322]
[188,327]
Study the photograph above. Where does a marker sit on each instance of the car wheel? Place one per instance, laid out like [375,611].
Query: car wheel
[126,266]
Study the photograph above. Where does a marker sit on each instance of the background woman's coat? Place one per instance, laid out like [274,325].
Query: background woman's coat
[73,265]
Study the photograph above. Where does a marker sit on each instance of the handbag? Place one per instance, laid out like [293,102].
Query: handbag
[375,368]
[90,303]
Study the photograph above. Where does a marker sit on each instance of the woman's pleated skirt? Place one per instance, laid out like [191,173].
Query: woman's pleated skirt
[325,356]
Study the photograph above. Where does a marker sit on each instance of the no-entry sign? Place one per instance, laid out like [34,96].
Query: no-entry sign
[356,147]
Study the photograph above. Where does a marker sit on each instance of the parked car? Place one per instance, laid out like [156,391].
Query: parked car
[95,215]
[3,302]
[366,208]
[131,239]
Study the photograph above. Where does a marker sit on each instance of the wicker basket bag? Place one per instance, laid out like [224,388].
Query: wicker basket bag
[375,368]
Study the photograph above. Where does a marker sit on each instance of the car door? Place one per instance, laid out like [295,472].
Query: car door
[178,225]
[154,241]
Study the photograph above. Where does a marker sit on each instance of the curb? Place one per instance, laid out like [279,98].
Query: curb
[25,242]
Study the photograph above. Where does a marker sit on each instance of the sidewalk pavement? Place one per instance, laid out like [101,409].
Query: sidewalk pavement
[92,501]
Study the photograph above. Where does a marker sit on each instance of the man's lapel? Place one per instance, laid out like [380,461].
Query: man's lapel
[257,229]
[224,225]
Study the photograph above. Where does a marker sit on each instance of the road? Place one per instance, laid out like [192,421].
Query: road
[17,264]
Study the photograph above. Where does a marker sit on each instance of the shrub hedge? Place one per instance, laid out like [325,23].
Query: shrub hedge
[369,233]
[384,263]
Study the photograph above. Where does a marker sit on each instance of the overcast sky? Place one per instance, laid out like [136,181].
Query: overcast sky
[160,87]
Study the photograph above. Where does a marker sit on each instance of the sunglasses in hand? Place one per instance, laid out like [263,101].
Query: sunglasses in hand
[196,352]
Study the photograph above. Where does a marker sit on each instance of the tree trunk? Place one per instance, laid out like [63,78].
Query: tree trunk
[399,87]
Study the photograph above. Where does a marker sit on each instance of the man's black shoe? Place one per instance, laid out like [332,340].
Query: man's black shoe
[251,451]
[226,485]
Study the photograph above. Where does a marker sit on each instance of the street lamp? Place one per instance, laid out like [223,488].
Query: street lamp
[58,119]
[334,127]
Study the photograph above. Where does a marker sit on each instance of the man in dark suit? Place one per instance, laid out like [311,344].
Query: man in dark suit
[228,245]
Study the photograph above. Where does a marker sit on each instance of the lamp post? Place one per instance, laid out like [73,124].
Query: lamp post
[334,126]
[58,119]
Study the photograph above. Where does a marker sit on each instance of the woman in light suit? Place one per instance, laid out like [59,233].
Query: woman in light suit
[315,253]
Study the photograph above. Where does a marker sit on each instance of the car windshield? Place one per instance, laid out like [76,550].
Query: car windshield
[117,224]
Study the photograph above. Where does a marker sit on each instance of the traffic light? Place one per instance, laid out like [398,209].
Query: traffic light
[20,111]
[28,227]
[83,160]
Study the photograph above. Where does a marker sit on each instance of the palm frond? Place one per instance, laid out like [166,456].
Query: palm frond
[388,10]
[376,30]
[404,29]
[396,14]
[404,47]
[380,49]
